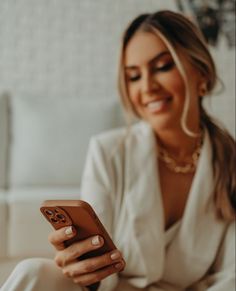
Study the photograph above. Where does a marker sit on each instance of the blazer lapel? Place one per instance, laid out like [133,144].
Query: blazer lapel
[195,246]
[144,200]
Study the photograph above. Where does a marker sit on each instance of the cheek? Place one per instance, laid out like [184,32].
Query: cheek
[135,99]
[133,94]
[175,85]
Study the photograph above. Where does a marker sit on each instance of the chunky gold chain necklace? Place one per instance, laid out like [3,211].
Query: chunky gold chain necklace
[186,167]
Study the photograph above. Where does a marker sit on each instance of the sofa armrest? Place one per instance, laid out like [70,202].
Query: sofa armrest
[28,230]
[3,224]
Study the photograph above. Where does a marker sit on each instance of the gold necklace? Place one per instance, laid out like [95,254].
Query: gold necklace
[187,167]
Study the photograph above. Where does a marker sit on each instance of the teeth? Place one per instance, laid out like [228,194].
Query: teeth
[156,104]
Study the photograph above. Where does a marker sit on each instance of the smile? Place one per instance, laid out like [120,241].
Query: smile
[156,106]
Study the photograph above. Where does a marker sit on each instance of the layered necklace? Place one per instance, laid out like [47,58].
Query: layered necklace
[184,167]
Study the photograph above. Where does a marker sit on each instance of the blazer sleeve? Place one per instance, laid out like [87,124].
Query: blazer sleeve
[223,277]
[96,185]
[97,189]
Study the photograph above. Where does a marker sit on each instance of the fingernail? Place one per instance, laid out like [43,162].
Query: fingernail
[118,266]
[69,231]
[96,240]
[115,255]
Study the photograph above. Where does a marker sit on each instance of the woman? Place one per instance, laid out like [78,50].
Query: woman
[164,188]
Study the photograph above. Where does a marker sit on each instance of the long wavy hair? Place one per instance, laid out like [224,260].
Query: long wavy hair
[181,35]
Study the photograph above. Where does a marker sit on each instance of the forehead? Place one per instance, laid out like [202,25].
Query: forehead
[142,47]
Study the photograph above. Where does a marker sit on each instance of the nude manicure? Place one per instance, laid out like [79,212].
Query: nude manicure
[69,231]
[115,255]
[118,266]
[96,241]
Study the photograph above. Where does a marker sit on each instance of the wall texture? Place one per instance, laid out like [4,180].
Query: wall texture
[62,48]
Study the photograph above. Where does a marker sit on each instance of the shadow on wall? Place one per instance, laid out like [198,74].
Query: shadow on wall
[216,18]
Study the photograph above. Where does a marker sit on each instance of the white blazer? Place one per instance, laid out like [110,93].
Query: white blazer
[121,182]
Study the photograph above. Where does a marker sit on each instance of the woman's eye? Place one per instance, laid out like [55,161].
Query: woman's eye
[133,78]
[164,68]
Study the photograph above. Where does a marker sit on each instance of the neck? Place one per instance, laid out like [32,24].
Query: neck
[178,143]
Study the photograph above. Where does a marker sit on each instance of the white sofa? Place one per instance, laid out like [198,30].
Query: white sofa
[43,144]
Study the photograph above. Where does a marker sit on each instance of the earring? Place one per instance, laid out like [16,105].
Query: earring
[203,89]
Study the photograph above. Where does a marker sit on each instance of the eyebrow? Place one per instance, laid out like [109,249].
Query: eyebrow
[153,60]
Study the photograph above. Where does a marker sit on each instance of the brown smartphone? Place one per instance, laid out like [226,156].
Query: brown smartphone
[80,214]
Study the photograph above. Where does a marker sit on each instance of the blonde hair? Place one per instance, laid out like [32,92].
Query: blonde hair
[181,35]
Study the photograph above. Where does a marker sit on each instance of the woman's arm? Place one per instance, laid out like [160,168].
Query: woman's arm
[96,189]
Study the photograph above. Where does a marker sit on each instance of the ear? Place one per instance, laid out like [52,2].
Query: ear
[202,89]
[202,85]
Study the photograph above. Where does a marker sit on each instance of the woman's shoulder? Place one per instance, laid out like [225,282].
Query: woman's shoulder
[113,135]
[122,134]
[110,136]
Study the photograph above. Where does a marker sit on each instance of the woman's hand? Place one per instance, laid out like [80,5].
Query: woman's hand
[88,271]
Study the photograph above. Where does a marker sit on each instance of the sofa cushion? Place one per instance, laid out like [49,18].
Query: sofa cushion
[3,139]
[27,229]
[50,137]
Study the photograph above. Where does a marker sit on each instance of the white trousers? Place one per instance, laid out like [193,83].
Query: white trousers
[38,274]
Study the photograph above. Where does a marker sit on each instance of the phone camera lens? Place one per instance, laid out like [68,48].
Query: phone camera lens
[49,212]
[54,220]
[60,217]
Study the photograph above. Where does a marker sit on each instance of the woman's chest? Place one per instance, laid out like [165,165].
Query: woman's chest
[175,190]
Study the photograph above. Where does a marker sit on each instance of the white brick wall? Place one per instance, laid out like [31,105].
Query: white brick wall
[70,48]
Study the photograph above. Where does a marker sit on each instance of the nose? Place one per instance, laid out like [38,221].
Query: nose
[149,84]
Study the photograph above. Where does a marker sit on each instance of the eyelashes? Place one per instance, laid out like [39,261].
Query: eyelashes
[133,79]
[161,69]
[164,68]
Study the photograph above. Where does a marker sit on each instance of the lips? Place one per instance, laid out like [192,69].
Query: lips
[159,105]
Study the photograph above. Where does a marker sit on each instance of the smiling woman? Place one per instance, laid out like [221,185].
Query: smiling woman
[173,72]
[155,86]
[159,186]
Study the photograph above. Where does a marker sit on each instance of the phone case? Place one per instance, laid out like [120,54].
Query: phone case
[80,214]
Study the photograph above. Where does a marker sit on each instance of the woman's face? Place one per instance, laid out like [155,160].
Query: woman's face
[155,86]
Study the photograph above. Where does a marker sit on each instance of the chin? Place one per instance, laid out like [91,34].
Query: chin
[161,123]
